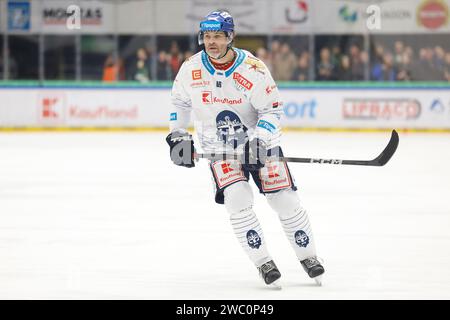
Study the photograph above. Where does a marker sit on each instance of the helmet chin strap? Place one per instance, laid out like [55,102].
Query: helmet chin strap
[220,57]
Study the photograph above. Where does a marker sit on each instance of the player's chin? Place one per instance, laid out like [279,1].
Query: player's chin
[213,53]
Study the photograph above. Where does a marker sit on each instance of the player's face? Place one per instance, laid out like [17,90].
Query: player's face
[215,43]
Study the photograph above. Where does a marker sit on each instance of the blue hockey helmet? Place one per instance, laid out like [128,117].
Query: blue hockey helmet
[218,20]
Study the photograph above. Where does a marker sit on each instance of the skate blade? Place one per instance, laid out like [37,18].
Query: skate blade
[318,280]
[275,285]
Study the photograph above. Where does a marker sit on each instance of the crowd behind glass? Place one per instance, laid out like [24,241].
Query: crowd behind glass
[143,59]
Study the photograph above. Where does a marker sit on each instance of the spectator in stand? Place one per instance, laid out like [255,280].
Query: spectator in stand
[142,66]
[447,67]
[439,57]
[175,59]
[410,52]
[427,69]
[262,54]
[286,63]
[336,55]
[344,70]
[113,69]
[357,66]
[274,57]
[405,68]
[13,72]
[325,68]
[162,66]
[1,66]
[384,71]
[301,72]
[365,62]
[399,48]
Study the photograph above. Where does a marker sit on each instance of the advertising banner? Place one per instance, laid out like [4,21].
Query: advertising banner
[388,108]
[83,108]
[303,108]
[93,16]
[387,17]
[262,17]
[290,16]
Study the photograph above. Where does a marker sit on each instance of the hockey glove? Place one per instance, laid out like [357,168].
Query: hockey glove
[255,154]
[181,148]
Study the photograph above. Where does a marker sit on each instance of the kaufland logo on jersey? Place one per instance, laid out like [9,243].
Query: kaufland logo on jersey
[272,171]
[229,177]
[242,81]
[226,168]
[207,98]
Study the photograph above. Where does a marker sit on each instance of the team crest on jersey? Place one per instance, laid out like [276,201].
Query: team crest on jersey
[230,129]
[255,65]
[253,239]
[301,238]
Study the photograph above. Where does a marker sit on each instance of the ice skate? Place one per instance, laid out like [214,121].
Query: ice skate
[270,274]
[314,269]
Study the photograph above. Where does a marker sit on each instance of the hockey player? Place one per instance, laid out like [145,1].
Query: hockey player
[237,109]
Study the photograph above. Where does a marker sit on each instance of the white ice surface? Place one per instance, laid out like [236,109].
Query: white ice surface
[107,216]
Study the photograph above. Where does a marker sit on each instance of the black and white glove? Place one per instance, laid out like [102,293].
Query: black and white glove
[181,148]
[255,155]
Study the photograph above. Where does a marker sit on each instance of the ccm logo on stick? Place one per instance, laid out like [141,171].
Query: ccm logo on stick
[330,161]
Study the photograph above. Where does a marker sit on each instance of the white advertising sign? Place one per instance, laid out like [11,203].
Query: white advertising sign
[310,108]
[396,16]
[94,16]
[251,16]
[84,107]
[290,16]
[388,108]
[331,16]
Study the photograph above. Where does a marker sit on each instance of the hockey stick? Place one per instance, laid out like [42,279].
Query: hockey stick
[379,161]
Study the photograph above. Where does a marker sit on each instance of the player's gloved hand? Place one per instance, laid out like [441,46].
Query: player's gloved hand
[181,148]
[255,154]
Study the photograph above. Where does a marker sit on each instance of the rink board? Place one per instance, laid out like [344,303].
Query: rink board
[147,108]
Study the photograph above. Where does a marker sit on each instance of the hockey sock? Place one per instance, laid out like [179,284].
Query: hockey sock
[295,222]
[239,202]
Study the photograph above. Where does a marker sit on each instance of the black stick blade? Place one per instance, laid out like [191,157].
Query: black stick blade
[389,151]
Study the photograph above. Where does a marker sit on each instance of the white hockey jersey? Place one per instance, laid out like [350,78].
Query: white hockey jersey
[229,106]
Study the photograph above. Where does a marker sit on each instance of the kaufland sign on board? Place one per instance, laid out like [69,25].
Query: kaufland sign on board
[310,108]
[53,108]
[83,108]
